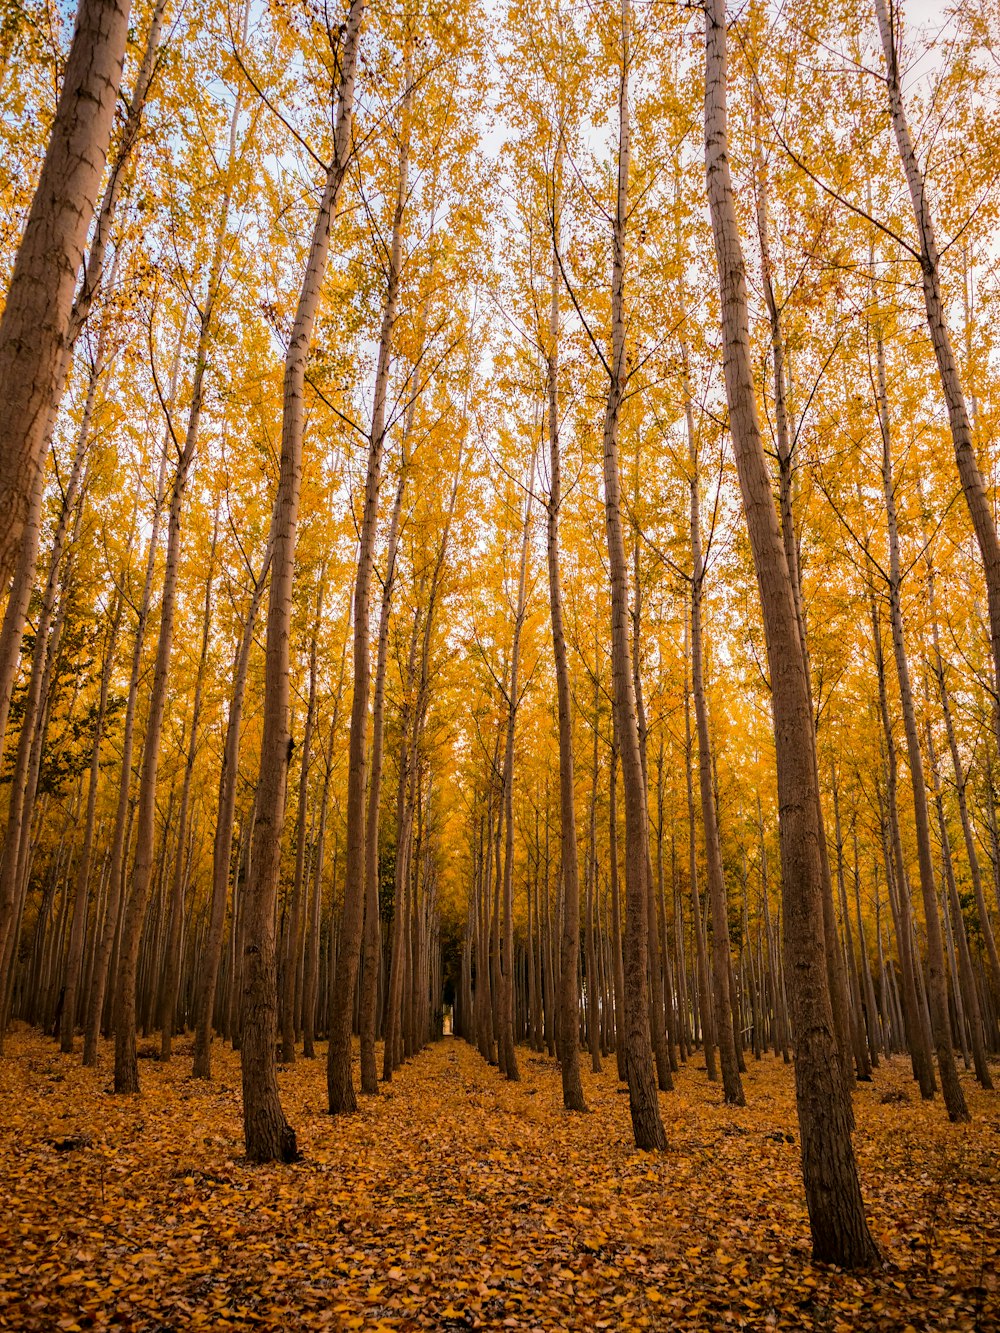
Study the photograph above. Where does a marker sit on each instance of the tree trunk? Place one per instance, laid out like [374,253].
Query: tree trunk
[222,847]
[39,302]
[81,893]
[937,984]
[172,966]
[732,1084]
[339,1077]
[372,927]
[647,1125]
[833,1194]
[269,1137]
[980,508]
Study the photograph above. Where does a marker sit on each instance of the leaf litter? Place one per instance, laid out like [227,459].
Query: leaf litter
[455,1200]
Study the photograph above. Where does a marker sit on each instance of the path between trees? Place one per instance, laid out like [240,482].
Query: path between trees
[456,1200]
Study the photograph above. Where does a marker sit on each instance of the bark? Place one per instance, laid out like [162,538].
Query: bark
[372,927]
[508,1059]
[647,1125]
[36,314]
[19,811]
[833,1194]
[966,992]
[783,436]
[126,1066]
[222,847]
[657,1027]
[172,967]
[618,966]
[109,931]
[973,487]
[294,928]
[339,1077]
[937,984]
[732,1084]
[81,892]
[269,1137]
[593,997]
[701,949]
[916,1038]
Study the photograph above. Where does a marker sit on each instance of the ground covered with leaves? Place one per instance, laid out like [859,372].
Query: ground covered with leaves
[455,1200]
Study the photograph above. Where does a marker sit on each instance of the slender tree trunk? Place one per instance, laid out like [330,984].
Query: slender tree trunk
[965,988]
[657,1026]
[732,1084]
[508,1058]
[973,487]
[958,768]
[616,916]
[647,1125]
[294,930]
[222,848]
[370,941]
[269,1137]
[81,893]
[937,984]
[593,998]
[833,1194]
[112,919]
[172,967]
[704,984]
[339,1077]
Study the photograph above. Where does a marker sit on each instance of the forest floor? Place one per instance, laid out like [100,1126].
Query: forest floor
[455,1200]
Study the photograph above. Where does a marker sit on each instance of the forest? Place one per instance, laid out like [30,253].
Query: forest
[499,664]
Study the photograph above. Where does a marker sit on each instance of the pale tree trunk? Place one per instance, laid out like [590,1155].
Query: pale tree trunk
[937,981]
[339,1076]
[917,1039]
[961,783]
[407,793]
[966,981]
[973,487]
[16,610]
[783,437]
[617,963]
[294,929]
[508,1059]
[81,891]
[268,1135]
[126,1066]
[403,820]
[833,1193]
[372,929]
[732,1084]
[311,971]
[20,805]
[701,948]
[593,998]
[858,1000]
[222,846]
[657,1027]
[112,913]
[36,314]
[172,962]
[647,1125]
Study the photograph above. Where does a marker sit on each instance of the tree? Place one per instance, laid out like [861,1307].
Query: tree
[833,1193]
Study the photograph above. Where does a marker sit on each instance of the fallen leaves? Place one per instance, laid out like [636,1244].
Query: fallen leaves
[458,1201]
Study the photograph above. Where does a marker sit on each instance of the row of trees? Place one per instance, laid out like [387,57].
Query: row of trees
[445,561]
